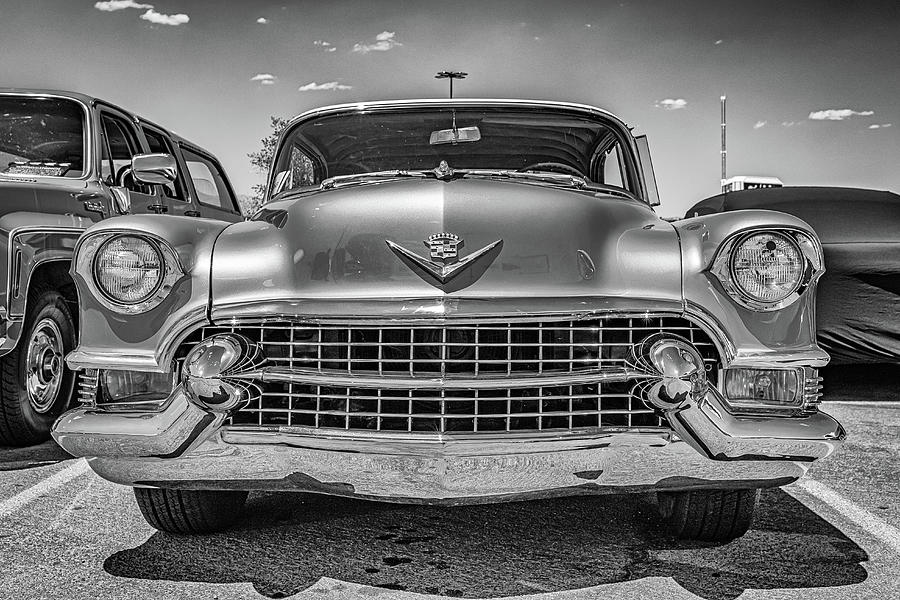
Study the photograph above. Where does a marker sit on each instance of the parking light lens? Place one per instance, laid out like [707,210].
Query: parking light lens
[749,388]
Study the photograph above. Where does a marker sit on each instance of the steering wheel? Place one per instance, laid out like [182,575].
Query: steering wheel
[553,167]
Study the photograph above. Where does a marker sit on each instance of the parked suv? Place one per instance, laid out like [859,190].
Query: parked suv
[66,161]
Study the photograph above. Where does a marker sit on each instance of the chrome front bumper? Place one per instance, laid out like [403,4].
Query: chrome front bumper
[185,446]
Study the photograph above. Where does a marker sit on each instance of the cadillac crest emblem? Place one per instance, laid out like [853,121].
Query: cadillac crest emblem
[445,246]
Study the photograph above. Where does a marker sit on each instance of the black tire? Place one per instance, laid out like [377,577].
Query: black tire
[23,420]
[189,511]
[708,515]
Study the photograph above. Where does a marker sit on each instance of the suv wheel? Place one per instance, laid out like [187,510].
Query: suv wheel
[708,515]
[189,511]
[36,386]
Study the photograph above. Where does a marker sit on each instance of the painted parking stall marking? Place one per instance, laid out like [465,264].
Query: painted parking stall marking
[43,487]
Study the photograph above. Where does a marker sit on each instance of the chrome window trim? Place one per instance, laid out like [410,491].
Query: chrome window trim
[811,250]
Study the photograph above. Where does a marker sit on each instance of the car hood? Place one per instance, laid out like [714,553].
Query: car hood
[554,243]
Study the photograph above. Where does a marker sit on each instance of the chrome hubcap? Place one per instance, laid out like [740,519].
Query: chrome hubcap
[44,365]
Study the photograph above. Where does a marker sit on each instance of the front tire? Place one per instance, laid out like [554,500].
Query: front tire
[708,515]
[35,385]
[189,511]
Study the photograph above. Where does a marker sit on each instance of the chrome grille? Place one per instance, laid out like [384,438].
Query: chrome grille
[471,350]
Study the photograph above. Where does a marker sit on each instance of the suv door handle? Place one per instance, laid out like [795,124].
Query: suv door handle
[192,213]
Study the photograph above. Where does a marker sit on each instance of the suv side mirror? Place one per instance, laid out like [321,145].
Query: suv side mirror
[154,169]
[643,148]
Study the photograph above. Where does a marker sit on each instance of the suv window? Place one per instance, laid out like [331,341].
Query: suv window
[209,182]
[119,145]
[159,143]
[41,136]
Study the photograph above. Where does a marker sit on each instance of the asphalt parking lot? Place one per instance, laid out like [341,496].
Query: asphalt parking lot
[65,533]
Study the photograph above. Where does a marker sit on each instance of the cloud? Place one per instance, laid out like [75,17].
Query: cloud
[151,15]
[788,123]
[162,19]
[114,5]
[326,46]
[671,103]
[262,21]
[838,114]
[881,126]
[331,86]
[264,78]
[384,41]
[760,124]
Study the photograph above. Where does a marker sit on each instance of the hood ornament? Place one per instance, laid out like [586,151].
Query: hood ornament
[446,275]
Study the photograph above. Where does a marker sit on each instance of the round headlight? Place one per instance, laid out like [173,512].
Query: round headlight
[128,269]
[767,267]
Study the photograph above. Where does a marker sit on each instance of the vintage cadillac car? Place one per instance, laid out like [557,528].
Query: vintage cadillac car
[66,161]
[451,301]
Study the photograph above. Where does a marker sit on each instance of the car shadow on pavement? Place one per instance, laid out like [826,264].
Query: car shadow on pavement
[288,541]
[48,453]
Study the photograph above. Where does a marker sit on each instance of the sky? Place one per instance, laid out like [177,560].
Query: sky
[813,87]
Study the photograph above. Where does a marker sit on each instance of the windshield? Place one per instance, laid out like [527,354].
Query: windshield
[41,136]
[492,138]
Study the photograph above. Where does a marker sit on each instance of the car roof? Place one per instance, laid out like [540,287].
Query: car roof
[93,100]
[377,105]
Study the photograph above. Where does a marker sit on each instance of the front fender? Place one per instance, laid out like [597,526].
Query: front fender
[28,240]
[778,338]
[108,337]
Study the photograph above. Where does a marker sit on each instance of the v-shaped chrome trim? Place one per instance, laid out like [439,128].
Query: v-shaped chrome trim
[442,273]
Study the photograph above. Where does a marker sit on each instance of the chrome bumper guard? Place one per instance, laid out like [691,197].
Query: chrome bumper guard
[184,445]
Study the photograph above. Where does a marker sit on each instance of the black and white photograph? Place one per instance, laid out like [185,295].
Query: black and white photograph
[504,299]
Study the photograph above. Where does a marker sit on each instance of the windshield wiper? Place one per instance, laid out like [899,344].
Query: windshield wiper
[332,182]
[561,179]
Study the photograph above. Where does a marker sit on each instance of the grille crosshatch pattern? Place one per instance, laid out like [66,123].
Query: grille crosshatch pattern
[545,348]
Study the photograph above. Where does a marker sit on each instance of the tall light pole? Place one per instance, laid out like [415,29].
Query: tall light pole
[724,152]
[451,75]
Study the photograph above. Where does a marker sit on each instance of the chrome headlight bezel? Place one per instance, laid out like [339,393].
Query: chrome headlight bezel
[86,265]
[810,250]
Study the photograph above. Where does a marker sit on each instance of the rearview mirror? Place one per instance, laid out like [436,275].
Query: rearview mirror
[154,169]
[455,136]
[643,148]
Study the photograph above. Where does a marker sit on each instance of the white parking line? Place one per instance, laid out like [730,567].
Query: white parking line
[44,486]
[864,403]
[874,525]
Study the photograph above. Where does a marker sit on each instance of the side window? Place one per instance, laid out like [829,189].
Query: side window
[209,182]
[303,172]
[119,145]
[613,168]
[159,143]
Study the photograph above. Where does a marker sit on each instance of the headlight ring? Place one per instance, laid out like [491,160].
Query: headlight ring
[768,269]
[128,272]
